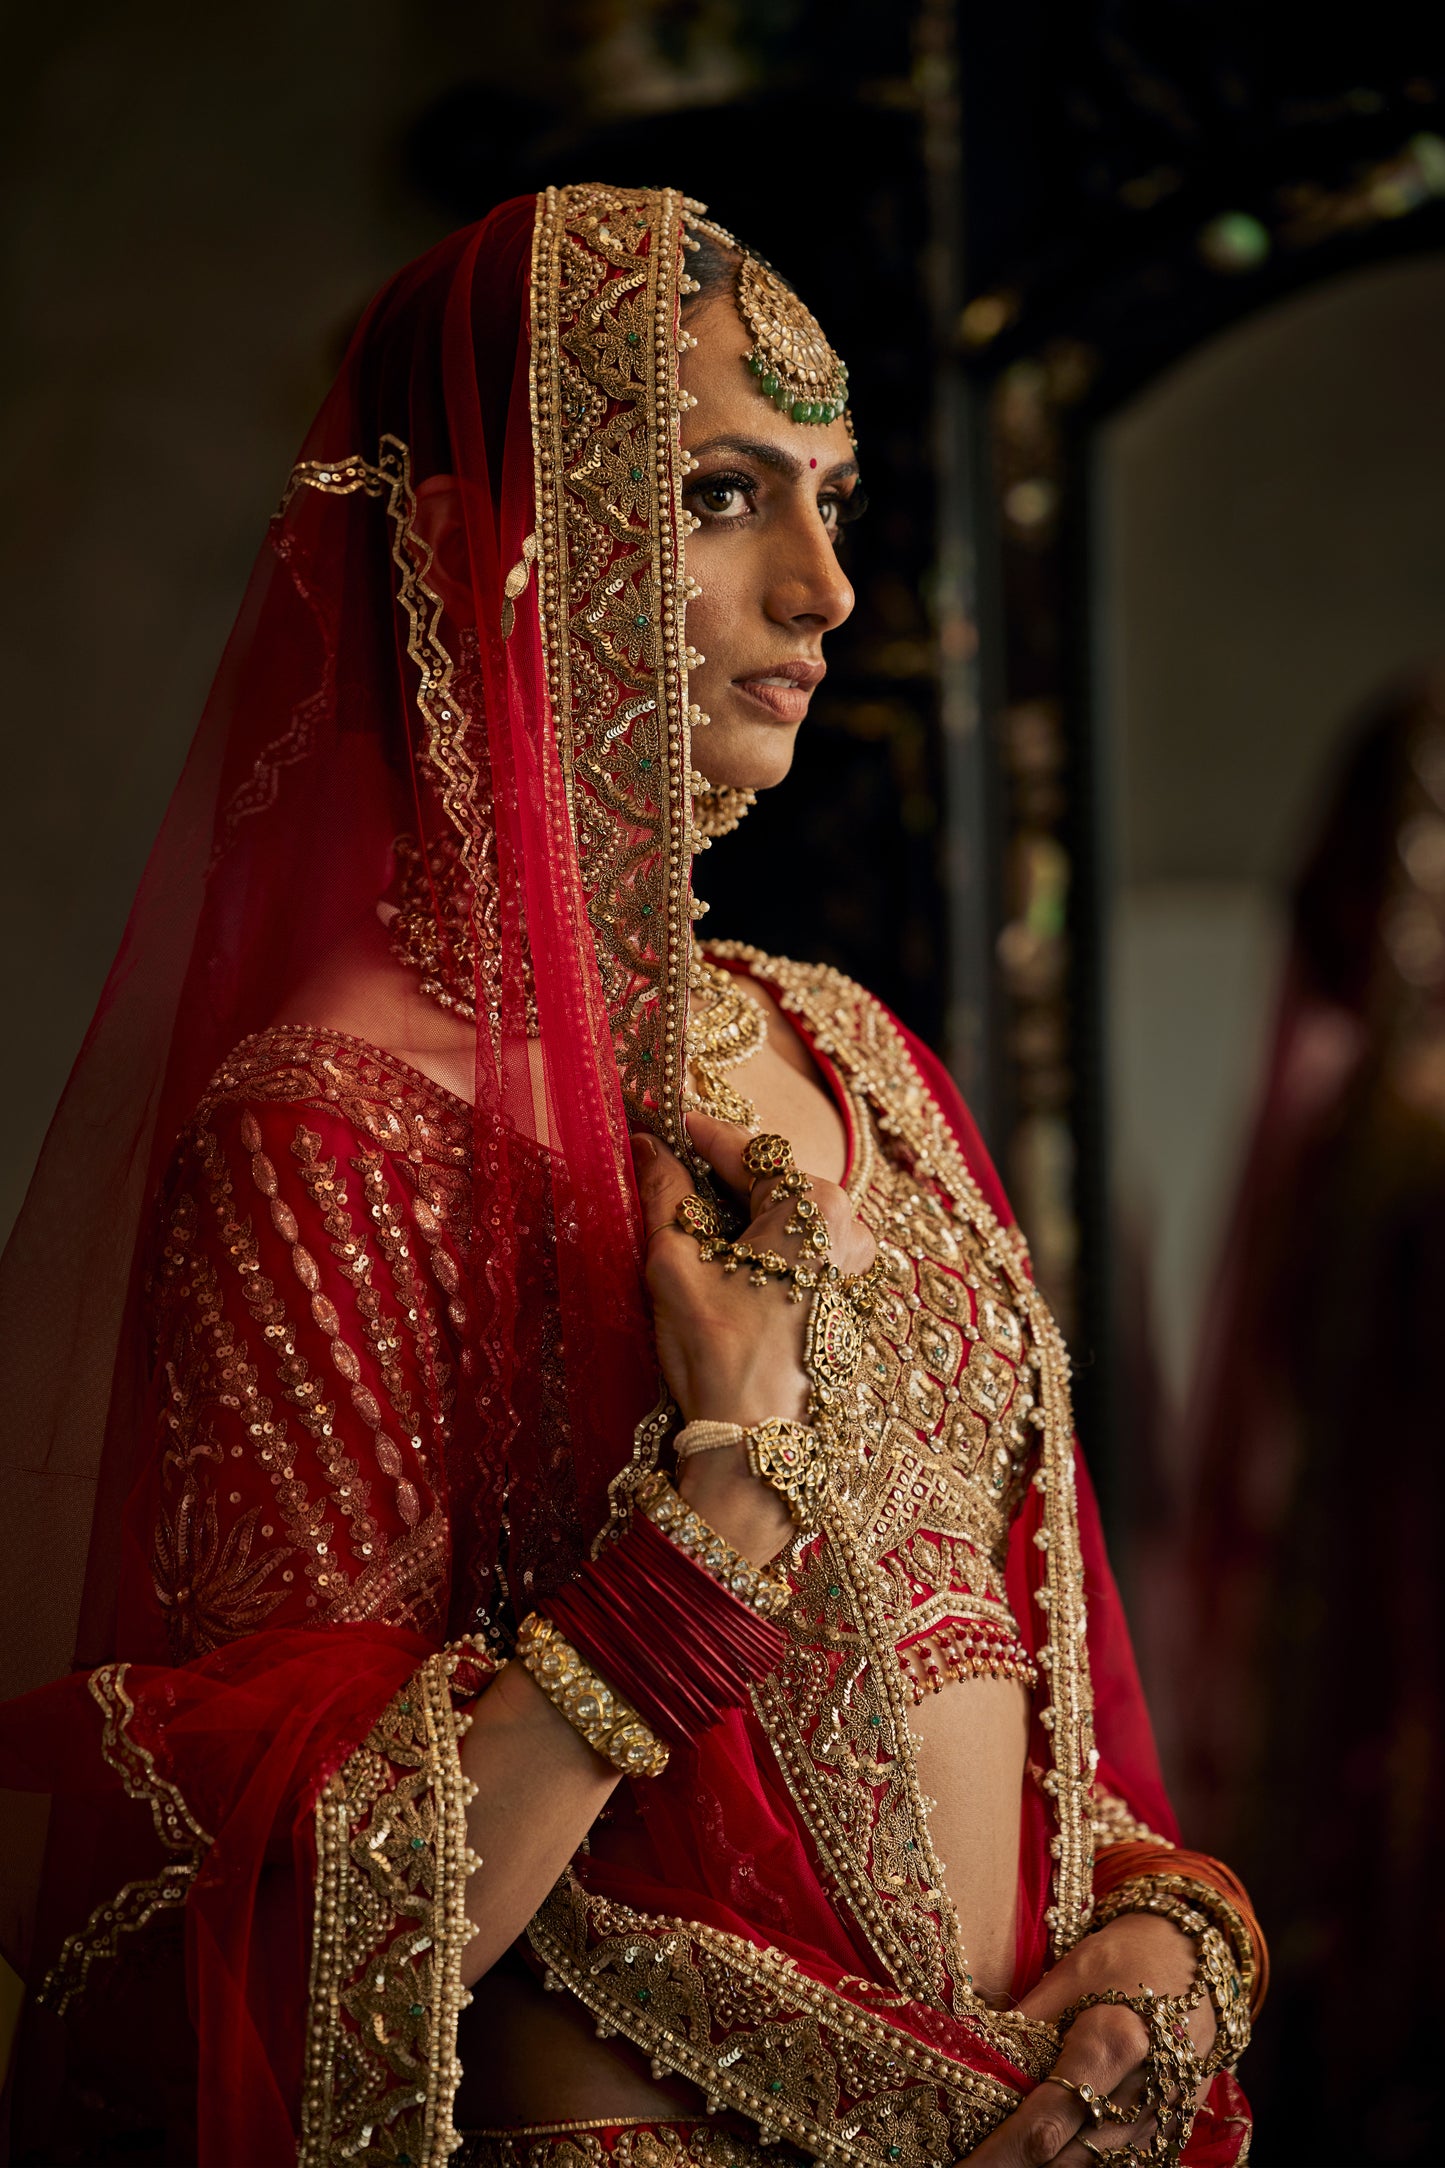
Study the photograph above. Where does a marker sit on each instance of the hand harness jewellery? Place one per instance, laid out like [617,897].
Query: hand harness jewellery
[797,1459]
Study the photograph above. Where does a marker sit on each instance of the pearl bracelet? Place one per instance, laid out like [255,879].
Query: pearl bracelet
[706,1438]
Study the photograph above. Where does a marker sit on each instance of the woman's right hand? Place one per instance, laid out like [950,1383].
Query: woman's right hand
[732,1352]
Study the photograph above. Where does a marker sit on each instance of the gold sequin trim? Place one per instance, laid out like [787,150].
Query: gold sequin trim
[800,2060]
[139,1901]
[390,1926]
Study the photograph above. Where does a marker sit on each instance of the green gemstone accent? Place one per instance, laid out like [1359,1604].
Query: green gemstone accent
[876,1722]
[418,1844]
[418,2009]
[644,1994]
[634,338]
[770,386]
[646,911]
[895,2152]
[640,619]
[645,762]
[833,1589]
[403,2160]
[802,412]
[775,2085]
[755,363]
[636,473]
[405,1707]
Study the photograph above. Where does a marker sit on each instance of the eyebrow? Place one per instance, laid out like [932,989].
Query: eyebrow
[770,455]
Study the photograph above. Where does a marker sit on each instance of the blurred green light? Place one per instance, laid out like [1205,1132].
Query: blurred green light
[1428,152]
[1234,241]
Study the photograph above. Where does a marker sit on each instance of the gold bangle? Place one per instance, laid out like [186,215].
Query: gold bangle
[760,1587]
[1221,1940]
[596,1713]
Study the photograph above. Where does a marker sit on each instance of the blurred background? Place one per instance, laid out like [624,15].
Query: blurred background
[1127,788]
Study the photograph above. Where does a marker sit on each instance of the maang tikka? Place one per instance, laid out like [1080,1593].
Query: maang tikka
[790,355]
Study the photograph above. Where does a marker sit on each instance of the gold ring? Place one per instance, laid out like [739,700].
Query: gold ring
[768,1154]
[1096,2105]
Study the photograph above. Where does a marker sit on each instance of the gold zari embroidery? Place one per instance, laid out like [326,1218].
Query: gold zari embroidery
[802,2061]
[392,1863]
[857,1036]
[612,592]
[138,1902]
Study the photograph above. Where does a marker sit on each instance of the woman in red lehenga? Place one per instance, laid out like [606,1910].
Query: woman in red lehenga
[1310,1554]
[429,1642]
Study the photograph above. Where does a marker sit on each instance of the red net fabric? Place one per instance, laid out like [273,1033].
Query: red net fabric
[354,705]
[459,684]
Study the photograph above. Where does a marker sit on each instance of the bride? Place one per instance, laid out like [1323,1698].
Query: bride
[591,1637]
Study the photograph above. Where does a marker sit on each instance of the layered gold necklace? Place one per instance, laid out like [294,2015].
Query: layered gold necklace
[726,1026]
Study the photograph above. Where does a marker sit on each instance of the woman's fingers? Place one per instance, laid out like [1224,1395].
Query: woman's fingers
[1098,2053]
[722,1145]
[662,1182]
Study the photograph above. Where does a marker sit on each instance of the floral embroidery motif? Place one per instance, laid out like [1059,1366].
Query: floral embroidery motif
[392,1863]
[761,2038]
[138,1902]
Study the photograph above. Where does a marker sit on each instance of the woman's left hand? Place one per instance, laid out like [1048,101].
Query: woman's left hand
[1106,2047]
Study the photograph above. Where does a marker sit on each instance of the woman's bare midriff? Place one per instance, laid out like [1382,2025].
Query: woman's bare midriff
[530,2057]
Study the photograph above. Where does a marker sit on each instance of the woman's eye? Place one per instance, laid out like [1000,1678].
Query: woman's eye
[721,496]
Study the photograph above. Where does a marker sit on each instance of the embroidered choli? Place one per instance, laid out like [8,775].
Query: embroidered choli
[311,1341]
[306,1310]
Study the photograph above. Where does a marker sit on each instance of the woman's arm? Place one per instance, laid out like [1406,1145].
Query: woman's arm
[730,1352]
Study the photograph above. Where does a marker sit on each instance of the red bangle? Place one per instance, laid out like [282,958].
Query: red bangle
[663,1633]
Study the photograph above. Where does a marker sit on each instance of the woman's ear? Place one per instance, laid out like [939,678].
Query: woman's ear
[437,521]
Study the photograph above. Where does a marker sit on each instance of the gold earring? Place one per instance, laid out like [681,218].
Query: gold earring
[716,808]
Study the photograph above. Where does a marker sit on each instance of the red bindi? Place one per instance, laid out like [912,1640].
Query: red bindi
[812,462]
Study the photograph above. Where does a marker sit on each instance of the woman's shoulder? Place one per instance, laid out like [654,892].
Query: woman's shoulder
[311,1089]
[289,1064]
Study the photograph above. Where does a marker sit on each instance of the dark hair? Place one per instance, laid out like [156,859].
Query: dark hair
[715,268]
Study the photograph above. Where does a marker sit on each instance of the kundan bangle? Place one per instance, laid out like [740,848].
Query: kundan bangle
[609,1724]
[1223,1952]
[762,1588]
[1209,1884]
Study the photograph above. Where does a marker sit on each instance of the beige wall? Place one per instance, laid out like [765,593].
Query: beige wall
[1271,546]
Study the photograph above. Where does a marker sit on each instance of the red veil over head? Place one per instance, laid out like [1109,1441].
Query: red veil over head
[530,735]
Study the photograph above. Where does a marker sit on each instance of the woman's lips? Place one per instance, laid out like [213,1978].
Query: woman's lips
[785,691]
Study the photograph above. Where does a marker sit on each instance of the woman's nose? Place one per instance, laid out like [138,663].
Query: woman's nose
[809,585]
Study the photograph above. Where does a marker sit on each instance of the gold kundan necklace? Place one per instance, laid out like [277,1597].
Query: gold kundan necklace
[726,1026]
